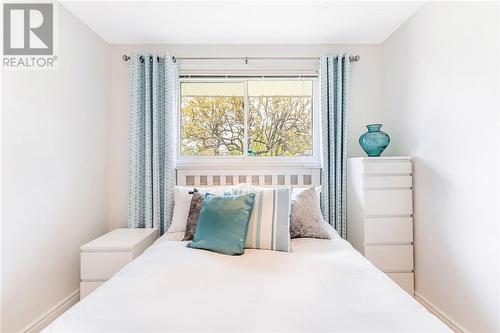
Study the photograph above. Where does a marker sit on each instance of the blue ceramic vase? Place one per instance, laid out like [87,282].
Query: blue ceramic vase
[374,141]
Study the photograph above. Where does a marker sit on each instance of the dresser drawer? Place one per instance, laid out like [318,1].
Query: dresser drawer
[386,181]
[88,287]
[103,265]
[388,230]
[387,167]
[391,257]
[404,280]
[387,202]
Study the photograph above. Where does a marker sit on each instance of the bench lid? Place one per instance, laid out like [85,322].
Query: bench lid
[122,239]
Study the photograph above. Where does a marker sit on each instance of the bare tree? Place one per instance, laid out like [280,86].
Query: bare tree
[212,125]
[280,126]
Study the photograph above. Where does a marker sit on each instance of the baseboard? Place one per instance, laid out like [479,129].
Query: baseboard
[44,320]
[457,328]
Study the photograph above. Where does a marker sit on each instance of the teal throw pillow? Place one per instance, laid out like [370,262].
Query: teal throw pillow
[223,223]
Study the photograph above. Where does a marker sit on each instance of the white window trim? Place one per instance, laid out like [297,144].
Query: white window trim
[190,162]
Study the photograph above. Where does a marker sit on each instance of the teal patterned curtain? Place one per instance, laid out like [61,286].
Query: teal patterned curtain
[153,83]
[335,72]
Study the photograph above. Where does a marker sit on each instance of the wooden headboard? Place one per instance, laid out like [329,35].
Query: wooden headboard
[259,177]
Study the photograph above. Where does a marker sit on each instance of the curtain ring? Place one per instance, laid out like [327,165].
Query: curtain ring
[141,59]
[174,60]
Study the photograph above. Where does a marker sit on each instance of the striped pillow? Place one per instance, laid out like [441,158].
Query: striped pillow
[269,225]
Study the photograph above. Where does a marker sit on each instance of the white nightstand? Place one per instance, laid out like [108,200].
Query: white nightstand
[104,256]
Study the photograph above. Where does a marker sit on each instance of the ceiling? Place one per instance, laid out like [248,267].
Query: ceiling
[243,22]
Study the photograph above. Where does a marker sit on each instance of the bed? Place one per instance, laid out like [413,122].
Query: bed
[323,285]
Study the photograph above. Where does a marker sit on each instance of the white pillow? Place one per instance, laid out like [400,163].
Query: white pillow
[183,202]
[330,230]
[181,208]
[171,236]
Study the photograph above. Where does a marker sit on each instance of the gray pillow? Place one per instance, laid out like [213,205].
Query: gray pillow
[194,214]
[306,217]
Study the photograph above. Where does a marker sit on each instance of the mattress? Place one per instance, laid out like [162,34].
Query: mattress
[323,285]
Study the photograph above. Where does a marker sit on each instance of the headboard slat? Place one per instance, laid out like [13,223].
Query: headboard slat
[257,177]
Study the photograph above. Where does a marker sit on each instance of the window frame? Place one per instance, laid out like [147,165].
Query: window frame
[244,160]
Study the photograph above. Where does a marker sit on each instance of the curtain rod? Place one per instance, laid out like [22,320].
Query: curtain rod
[174,59]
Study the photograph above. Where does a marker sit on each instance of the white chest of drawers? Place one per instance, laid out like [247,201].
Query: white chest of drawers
[101,258]
[380,214]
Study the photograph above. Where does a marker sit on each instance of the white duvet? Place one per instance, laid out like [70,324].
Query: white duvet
[323,285]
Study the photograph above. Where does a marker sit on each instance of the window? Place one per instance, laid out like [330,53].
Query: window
[280,118]
[212,119]
[250,119]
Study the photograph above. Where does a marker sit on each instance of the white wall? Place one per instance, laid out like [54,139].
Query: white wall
[437,100]
[366,99]
[54,152]
[440,103]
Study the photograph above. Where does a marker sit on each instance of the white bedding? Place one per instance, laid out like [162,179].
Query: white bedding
[323,285]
